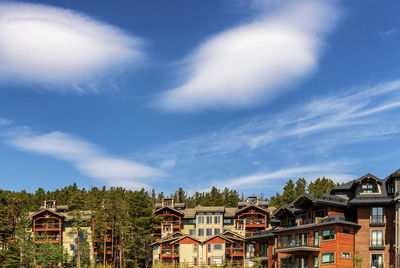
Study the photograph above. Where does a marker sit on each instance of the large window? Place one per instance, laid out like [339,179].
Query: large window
[201,232]
[286,240]
[195,261]
[316,238]
[328,258]
[227,221]
[192,232]
[318,213]
[263,249]
[377,260]
[328,234]
[209,219]
[377,215]
[300,239]
[315,262]
[194,248]
[209,232]
[377,238]
[285,262]
[217,246]
[209,248]
[217,219]
[369,188]
[200,219]
[217,231]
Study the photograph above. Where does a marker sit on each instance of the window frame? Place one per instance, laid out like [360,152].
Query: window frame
[330,236]
[330,253]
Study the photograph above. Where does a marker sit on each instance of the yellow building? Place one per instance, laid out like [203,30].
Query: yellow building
[207,235]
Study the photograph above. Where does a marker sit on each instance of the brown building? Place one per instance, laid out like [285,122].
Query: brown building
[355,220]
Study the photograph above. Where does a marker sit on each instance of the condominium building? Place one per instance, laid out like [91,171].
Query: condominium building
[355,225]
[54,224]
[207,235]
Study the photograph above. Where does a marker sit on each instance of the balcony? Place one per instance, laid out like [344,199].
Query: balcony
[47,239]
[297,248]
[170,253]
[175,224]
[232,251]
[377,220]
[47,226]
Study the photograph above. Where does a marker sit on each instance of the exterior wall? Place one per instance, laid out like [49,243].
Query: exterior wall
[156,253]
[70,241]
[363,236]
[206,226]
[187,227]
[341,243]
[214,253]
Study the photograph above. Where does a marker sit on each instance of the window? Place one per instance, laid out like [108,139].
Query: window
[346,255]
[318,213]
[316,238]
[315,262]
[227,221]
[195,261]
[376,260]
[217,260]
[328,234]
[346,231]
[194,248]
[217,246]
[209,248]
[263,250]
[209,219]
[201,232]
[286,240]
[300,239]
[192,232]
[217,231]
[200,219]
[209,232]
[377,238]
[208,261]
[368,188]
[377,215]
[285,262]
[217,219]
[390,189]
[328,258]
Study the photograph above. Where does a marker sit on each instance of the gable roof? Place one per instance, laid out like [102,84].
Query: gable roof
[254,206]
[170,208]
[321,199]
[33,215]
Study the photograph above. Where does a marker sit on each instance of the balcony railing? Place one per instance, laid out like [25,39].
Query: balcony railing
[47,226]
[235,251]
[169,252]
[377,220]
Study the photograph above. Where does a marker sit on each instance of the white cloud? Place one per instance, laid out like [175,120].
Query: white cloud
[86,157]
[59,47]
[255,61]
[271,179]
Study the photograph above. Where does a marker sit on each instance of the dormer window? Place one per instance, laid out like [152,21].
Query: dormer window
[368,188]
[390,189]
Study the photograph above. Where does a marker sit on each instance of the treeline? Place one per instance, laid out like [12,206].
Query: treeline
[129,214]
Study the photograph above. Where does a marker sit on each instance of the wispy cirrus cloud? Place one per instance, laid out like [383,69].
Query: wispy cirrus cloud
[61,49]
[254,62]
[85,156]
[302,140]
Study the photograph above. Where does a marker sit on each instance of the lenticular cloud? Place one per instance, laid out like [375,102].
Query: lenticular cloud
[43,44]
[254,61]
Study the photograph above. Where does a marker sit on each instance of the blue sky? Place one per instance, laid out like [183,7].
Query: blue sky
[244,94]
